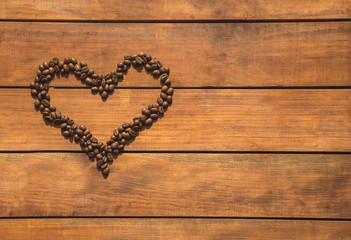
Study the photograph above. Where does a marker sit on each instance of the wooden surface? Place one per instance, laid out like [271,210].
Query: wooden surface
[174,10]
[178,228]
[303,54]
[257,144]
[199,119]
[177,184]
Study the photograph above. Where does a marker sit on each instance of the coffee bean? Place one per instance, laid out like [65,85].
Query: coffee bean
[88,81]
[159,101]
[45,103]
[169,99]
[94,140]
[156,73]
[79,132]
[94,89]
[104,94]
[67,60]
[106,171]
[169,91]
[114,145]
[120,147]
[163,96]
[167,82]
[46,65]
[66,134]
[111,88]
[53,115]
[36,103]
[83,76]
[34,92]
[132,133]
[76,137]
[164,77]
[148,122]
[154,117]
[161,110]
[165,104]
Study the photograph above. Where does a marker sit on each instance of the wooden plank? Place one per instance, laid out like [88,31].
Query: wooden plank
[199,55]
[171,229]
[174,10]
[179,184]
[198,120]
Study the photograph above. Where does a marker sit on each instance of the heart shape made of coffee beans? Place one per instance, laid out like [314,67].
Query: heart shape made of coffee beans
[102,153]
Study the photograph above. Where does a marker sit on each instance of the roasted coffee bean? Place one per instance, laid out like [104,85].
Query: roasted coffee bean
[169,91]
[88,81]
[111,88]
[163,96]
[161,110]
[106,171]
[67,60]
[46,65]
[90,72]
[114,145]
[115,132]
[74,126]
[34,92]
[83,76]
[104,94]
[125,125]
[77,67]
[125,135]
[66,133]
[159,101]
[165,104]
[164,77]
[53,115]
[169,99]
[156,73]
[45,103]
[120,147]
[82,127]
[154,117]
[76,137]
[154,110]
[132,133]
[167,82]
[98,156]
[37,103]
[65,68]
[94,89]
[79,132]
[94,140]
[101,89]
[86,132]
[148,122]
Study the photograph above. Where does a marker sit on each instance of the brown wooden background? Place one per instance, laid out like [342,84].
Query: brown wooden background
[256,145]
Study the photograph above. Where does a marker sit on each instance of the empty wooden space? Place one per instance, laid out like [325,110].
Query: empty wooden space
[256,145]
[188,229]
[139,10]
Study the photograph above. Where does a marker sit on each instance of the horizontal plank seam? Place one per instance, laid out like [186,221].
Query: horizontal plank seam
[180,20]
[183,217]
[200,88]
[198,152]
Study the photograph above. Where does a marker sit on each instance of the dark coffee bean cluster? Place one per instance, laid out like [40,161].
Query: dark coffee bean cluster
[102,153]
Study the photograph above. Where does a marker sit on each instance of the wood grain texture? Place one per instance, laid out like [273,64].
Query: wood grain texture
[199,55]
[198,120]
[174,10]
[179,184]
[191,229]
